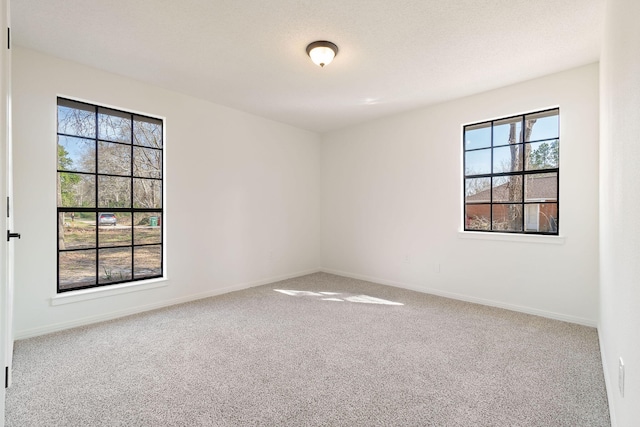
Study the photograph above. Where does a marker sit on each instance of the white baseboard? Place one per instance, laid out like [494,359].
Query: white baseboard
[29,333]
[609,385]
[461,297]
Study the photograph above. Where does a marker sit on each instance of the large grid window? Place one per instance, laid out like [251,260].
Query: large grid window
[511,173]
[109,189]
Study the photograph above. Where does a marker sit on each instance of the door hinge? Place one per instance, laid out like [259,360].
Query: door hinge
[8,206]
[6,377]
[8,38]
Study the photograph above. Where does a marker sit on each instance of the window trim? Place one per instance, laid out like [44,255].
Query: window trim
[513,237]
[95,292]
[63,296]
[522,173]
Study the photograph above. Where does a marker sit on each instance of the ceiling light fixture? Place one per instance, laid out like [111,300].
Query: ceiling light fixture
[322,52]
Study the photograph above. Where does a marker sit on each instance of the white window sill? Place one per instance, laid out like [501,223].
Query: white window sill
[107,291]
[508,237]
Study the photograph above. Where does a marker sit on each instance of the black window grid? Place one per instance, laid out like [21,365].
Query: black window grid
[523,173]
[98,209]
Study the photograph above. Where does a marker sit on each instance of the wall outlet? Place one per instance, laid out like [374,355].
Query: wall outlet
[406,258]
[621,376]
[436,268]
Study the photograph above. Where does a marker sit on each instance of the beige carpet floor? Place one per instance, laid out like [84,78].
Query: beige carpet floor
[318,350]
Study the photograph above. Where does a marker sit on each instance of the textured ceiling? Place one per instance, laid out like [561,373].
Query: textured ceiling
[250,54]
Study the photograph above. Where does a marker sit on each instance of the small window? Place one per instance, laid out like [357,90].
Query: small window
[109,186]
[511,174]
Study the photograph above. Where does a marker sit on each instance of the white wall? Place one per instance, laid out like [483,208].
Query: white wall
[620,207]
[242,193]
[392,204]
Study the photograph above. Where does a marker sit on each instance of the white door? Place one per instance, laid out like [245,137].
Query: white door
[6,247]
[532,217]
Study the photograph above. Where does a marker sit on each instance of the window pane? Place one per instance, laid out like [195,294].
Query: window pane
[477,136]
[76,118]
[147,228]
[478,217]
[114,125]
[78,230]
[114,192]
[507,159]
[114,265]
[549,217]
[114,229]
[76,269]
[147,162]
[147,132]
[507,217]
[507,188]
[478,190]
[76,154]
[147,193]
[477,162]
[542,155]
[114,159]
[76,190]
[508,131]
[147,261]
[542,126]
[541,217]
[541,187]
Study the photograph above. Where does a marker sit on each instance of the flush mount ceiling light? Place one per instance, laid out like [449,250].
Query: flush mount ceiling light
[322,52]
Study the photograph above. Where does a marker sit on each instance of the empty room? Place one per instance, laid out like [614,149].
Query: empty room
[337,213]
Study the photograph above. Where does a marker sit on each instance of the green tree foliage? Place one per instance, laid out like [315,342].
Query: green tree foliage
[545,156]
[67,180]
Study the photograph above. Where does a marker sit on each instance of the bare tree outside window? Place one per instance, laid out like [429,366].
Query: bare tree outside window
[109,188]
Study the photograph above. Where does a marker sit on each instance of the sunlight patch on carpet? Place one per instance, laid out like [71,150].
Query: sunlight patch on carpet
[363,299]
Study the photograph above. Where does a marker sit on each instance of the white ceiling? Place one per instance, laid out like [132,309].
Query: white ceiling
[395,55]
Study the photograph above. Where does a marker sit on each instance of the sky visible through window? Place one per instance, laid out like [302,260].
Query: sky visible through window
[479,162]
